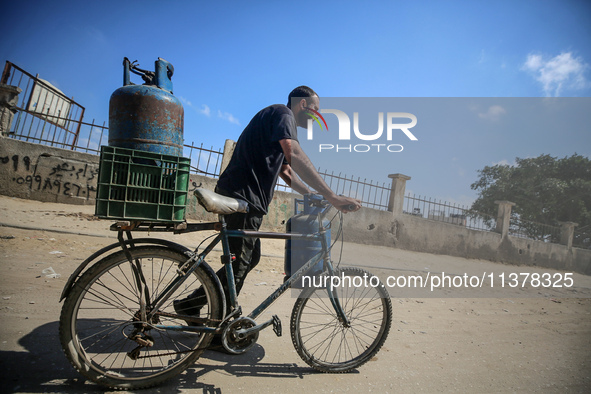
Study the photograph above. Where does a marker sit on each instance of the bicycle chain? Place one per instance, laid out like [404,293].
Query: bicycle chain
[203,320]
[193,319]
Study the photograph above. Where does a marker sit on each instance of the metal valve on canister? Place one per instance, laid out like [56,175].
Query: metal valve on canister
[147,117]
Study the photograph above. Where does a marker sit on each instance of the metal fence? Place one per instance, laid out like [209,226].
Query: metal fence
[446,212]
[92,136]
[532,230]
[372,195]
[582,237]
[462,216]
[204,161]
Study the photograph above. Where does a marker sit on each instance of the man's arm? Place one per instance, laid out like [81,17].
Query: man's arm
[292,180]
[302,165]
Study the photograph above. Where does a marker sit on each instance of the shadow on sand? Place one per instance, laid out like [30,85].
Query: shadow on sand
[44,368]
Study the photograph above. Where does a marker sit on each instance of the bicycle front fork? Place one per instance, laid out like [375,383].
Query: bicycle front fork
[336,304]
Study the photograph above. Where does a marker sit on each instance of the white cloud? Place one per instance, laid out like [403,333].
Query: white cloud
[556,74]
[205,110]
[493,113]
[533,63]
[229,117]
[185,101]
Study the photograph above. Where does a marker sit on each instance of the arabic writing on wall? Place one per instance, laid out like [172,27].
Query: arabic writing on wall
[52,175]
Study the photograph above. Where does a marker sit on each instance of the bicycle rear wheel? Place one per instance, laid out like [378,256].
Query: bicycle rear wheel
[100,318]
[323,342]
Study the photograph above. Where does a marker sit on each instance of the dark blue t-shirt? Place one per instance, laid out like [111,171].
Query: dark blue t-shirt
[254,168]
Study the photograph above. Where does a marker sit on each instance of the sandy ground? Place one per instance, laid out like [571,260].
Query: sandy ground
[505,340]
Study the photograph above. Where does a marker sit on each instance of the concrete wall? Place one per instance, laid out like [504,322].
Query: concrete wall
[423,235]
[43,173]
[437,237]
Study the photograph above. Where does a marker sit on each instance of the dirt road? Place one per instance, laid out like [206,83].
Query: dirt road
[515,340]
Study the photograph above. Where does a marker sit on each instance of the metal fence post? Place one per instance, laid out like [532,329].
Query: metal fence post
[396,201]
[503,217]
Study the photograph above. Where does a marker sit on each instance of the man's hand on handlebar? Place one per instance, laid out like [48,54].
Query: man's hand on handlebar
[345,204]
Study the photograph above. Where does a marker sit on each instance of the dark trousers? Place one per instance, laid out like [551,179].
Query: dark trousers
[248,254]
[247,251]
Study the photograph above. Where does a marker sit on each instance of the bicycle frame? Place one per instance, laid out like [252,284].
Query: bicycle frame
[197,259]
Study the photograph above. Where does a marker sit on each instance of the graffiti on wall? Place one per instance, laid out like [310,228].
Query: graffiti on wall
[51,175]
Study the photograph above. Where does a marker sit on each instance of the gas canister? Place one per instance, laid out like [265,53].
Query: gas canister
[147,117]
[299,251]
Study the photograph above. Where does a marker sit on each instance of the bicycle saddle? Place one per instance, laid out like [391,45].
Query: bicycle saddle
[216,203]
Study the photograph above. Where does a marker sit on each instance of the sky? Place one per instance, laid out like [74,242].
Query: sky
[233,58]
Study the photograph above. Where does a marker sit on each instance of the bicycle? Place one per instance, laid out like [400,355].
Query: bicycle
[118,326]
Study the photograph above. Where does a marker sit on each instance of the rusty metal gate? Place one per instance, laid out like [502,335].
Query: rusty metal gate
[44,114]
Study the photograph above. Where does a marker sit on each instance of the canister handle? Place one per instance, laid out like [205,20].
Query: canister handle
[147,76]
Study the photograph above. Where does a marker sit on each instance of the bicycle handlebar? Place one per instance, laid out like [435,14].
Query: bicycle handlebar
[318,201]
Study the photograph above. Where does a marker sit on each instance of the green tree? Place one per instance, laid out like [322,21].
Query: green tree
[545,189]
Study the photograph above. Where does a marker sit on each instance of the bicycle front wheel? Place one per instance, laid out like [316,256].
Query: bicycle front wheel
[102,330]
[325,343]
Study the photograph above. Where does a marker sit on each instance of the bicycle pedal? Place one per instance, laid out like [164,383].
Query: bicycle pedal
[277,325]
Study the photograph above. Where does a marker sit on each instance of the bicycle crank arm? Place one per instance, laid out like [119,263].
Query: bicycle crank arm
[274,321]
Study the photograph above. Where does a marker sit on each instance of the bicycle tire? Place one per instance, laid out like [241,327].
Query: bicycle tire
[326,344]
[99,313]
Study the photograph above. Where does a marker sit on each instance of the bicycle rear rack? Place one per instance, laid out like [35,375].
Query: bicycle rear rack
[176,228]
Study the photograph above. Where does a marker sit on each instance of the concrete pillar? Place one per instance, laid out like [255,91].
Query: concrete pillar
[8,100]
[396,201]
[227,155]
[503,217]
[567,233]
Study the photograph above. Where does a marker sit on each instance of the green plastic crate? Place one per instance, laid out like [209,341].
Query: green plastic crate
[139,185]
